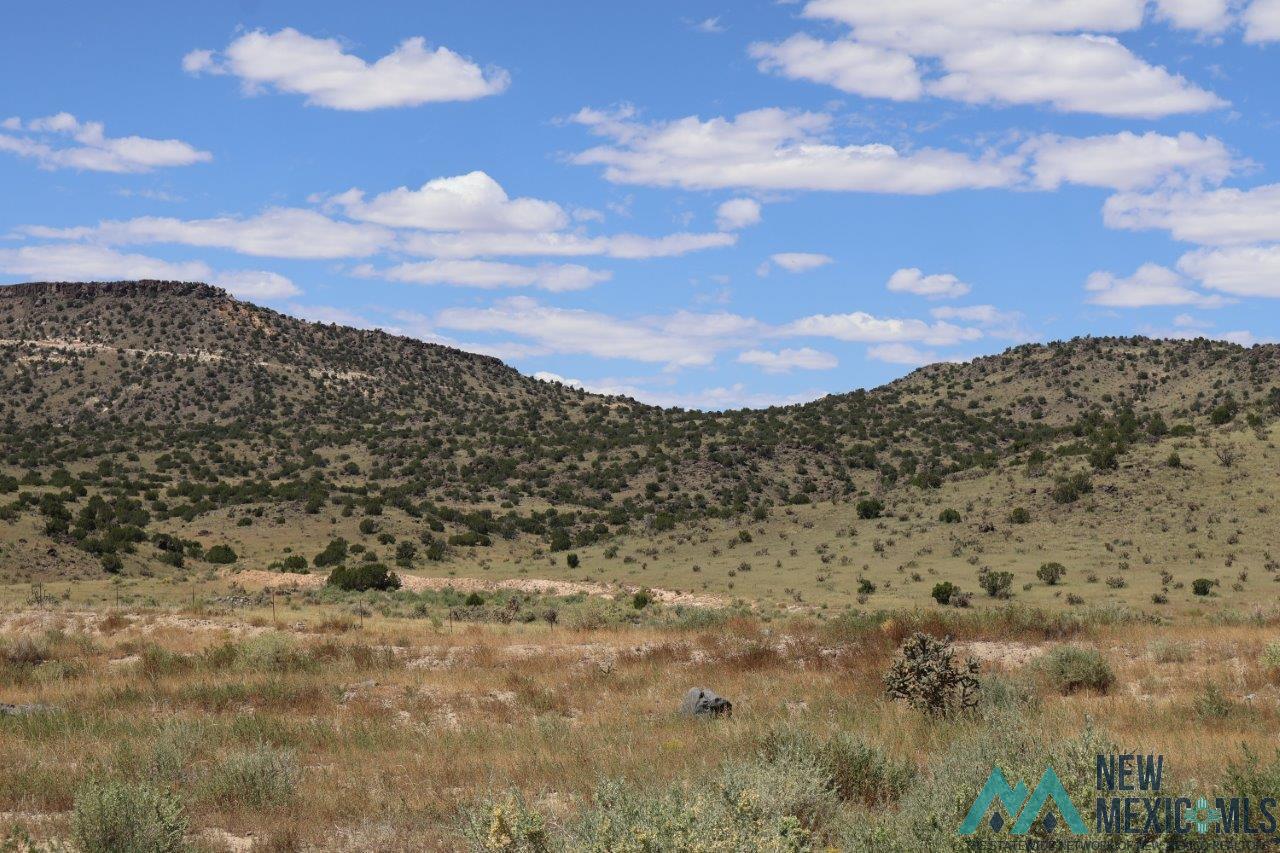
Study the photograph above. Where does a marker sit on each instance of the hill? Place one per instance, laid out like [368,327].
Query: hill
[149,422]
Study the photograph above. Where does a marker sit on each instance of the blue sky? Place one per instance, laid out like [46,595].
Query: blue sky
[694,204]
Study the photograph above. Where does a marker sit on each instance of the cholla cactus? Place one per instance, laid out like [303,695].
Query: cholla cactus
[926,676]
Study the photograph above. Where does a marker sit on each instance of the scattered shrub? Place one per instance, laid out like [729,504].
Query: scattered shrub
[1019,515]
[942,592]
[1051,573]
[949,516]
[254,779]
[220,554]
[364,576]
[869,508]
[1203,586]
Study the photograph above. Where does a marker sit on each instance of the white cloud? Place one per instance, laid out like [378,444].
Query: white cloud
[786,360]
[289,61]
[1206,16]
[773,149]
[737,213]
[850,66]
[256,284]
[561,244]
[277,232]
[902,354]
[40,140]
[994,322]
[709,25]
[1219,217]
[735,396]
[75,262]
[939,286]
[493,274]
[861,327]
[800,261]
[1151,285]
[1127,161]
[682,340]
[1072,73]
[1262,21]
[1052,52]
[470,202]
[1237,270]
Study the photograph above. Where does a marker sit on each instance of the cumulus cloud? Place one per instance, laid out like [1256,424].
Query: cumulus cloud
[1127,161]
[75,262]
[1151,285]
[938,286]
[1237,270]
[902,354]
[1206,16]
[561,244]
[1219,217]
[277,232]
[861,327]
[775,149]
[737,213]
[1262,21]
[493,274]
[850,66]
[787,360]
[470,202]
[292,62]
[992,320]
[735,396]
[64,142]
[1052,52]
[681,340]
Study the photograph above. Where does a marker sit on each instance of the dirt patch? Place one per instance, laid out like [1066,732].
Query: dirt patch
[1011,655]
[259,579]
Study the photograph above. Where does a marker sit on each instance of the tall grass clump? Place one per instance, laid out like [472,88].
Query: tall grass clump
[1070,669]
[259,778]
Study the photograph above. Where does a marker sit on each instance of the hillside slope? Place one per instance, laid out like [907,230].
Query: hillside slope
[148,421]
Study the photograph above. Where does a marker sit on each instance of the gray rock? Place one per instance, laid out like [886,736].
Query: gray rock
[7,710]
[700,702]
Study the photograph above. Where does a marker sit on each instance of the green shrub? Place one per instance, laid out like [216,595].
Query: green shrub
[641,599]
[1271,656]
[926,677]
[364,576]
[869,508]
[1203,586]
[1174,461]
[571,560]
[221,554]
[1019,515]
[335,552]
[1070,669]
[949,516]
[112,816]
[475,599]
[1069,489]
[943,591]
[1051,573]
[996,584]
[855,770]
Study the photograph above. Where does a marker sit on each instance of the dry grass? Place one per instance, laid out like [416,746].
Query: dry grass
[380,735]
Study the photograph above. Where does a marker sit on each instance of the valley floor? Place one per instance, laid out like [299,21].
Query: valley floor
[331,726]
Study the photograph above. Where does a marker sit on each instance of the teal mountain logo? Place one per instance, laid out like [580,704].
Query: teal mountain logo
[1022,807]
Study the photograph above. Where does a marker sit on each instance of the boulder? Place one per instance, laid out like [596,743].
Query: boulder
[7,710]
[700,702]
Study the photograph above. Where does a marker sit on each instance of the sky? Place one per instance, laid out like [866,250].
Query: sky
[699,204]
